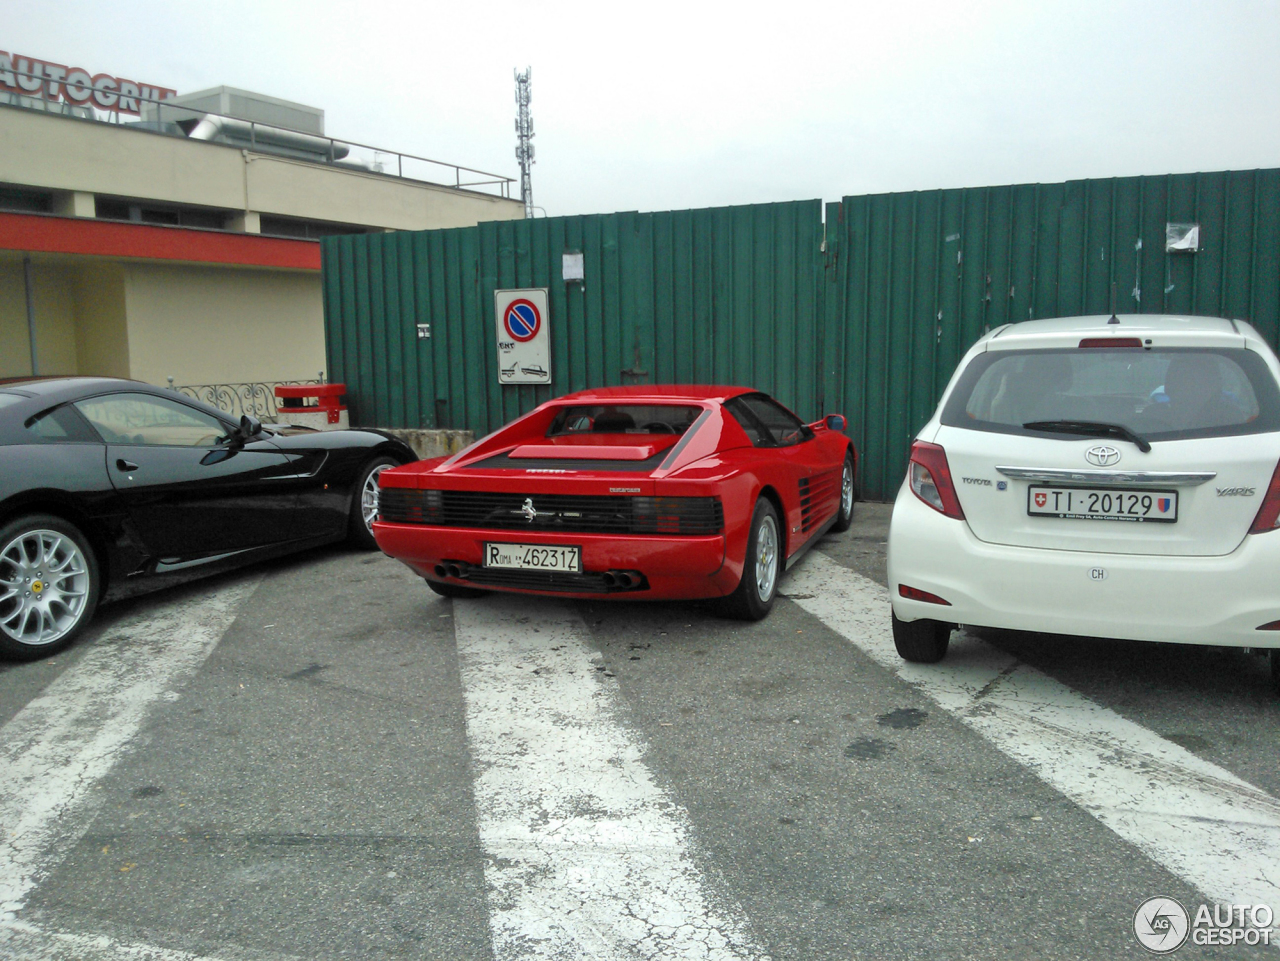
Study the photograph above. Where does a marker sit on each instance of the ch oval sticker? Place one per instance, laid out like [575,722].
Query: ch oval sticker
[1097,573]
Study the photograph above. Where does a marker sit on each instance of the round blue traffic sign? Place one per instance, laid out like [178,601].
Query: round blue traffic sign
[522,320]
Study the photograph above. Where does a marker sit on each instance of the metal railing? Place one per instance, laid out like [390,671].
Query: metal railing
[255,399]
[274,140]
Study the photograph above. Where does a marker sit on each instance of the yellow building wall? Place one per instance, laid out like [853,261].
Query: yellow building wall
[15,358]
[54,315]
[210,325]
[101,328]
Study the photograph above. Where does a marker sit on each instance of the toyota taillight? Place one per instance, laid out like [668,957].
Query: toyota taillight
[1268,518]
[930,478]
[915,594]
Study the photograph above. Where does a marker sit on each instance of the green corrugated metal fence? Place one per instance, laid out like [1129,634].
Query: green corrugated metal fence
[723,295]
[871,326]
[916,278]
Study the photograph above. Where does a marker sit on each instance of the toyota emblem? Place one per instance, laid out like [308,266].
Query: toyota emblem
[1103,455]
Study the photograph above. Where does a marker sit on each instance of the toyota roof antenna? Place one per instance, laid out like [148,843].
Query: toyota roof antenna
[1114,319]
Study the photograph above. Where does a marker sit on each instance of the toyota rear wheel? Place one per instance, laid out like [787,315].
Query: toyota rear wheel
[923,641]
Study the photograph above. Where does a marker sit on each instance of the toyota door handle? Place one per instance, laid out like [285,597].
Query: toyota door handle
[124,465]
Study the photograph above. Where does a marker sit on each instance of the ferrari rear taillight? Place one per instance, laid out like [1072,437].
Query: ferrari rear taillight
[677,515]
[930,478]
[1268,518]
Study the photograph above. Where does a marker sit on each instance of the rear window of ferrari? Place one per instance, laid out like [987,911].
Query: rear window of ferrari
[1159,394]
[623,419]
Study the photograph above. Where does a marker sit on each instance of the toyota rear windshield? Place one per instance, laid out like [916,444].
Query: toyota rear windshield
[1157,394]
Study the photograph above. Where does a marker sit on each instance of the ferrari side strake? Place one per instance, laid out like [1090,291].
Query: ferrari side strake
[648,492]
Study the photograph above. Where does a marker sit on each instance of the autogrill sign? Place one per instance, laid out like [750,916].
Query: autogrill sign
[29,77]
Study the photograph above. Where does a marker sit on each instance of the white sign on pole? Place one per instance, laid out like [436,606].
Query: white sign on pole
[524,343]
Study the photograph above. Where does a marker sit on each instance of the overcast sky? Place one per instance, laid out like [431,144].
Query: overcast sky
[656,106]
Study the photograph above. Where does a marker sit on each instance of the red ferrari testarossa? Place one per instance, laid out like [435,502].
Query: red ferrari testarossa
[661,492]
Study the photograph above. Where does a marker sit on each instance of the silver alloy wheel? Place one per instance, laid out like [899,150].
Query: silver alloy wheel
[766,557]
[369,497]
[846,490]
[44,586]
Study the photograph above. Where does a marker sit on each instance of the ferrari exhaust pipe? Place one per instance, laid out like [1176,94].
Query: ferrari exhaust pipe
[624,579]
[453,570]
[609,579]
[440,571]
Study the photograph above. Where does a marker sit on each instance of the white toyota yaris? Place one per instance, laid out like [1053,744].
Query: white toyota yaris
[1108,477]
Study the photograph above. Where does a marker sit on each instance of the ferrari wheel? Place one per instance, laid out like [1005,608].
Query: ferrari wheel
[49,585]
[754,596]
[848,495]
[364,504]
[454,590]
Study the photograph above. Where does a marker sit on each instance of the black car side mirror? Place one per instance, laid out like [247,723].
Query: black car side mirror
[835,422]
[250,427]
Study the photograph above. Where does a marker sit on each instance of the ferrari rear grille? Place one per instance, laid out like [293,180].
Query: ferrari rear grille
[570,513]
[814,492]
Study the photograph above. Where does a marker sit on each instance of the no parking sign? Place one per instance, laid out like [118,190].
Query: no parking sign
[524,346]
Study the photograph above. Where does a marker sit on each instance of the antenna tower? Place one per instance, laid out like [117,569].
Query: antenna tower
[524,141]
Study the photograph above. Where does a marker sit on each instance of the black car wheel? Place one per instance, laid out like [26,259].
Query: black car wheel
[923,641]
[364,504]
[848,495]
[49,585]
[754,596]
[454,590]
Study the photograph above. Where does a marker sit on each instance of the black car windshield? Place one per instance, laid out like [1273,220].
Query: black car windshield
[1159,394]
[623,419]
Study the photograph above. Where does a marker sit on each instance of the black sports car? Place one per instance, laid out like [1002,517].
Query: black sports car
[110,487]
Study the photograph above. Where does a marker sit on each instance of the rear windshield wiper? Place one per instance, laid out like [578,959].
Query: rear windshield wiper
[1090,428]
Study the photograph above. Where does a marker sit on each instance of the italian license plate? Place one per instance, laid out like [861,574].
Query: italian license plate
[533,557]
[1103,505]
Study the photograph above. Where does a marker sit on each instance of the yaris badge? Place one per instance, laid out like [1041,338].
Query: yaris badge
[1102,455]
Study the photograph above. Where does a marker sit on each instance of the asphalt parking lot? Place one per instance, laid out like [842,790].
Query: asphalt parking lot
[319,758]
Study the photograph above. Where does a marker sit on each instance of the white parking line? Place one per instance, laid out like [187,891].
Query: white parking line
[63,741]
[1201,822]
[21,940]
[586,856]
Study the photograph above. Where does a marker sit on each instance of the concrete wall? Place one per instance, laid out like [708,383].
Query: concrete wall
[211,325]
[102,158]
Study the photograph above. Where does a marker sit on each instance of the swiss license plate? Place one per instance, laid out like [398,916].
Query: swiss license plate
[533,557]
[1103,505]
